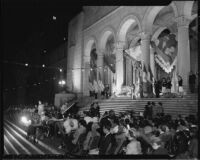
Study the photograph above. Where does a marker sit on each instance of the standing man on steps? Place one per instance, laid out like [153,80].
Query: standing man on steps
[192,79]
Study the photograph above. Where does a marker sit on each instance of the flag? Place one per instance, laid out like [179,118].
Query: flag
[100,83]
[96,87]
[90,85]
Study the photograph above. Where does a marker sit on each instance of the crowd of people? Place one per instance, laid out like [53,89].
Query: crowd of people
[128,133]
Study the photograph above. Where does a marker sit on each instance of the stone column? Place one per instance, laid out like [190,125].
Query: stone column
[86,75]
[183,57]
[128,71]
[100,65]
[152,62]
[145,47]
[119,65]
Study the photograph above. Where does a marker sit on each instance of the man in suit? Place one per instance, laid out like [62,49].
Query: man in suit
[105,142]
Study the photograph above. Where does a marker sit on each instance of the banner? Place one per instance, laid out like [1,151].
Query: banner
[100,83]
[166,51]
[90,84]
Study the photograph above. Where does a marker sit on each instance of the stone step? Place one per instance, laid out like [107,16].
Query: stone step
[173,106]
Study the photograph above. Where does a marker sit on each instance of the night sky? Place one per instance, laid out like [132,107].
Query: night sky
[29,29]
[22,20]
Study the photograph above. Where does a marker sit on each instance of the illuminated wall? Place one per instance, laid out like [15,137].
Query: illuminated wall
[75,54]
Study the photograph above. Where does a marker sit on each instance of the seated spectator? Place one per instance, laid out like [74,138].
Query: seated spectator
[158,147]
[193,143]
[165,134]
[87,117]
[134,146]
[105,142]
[181,141]
[92,140]
[66,130]
[80,130]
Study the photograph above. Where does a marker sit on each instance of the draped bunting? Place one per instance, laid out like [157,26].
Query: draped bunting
[166,51]
[110,61]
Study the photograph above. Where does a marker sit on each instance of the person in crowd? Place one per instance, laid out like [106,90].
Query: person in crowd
[168,85]
[91,142]
[81,130]
[106,139]
[106,91]
[119,132]
[181,140]
[154,109]
[133,148]
[192,81]
[64,107]
[137,90]
[148,110]
[144,136]
[165,134]
[160,110]
[180,84]
[133,92]
[193,143]
[32,128]
[87,116]
[158,147]
[164,84]
[44,130]
[97,109]
[40,107]
[69,126]
[93,109]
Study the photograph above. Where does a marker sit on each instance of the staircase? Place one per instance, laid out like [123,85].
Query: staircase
[173,106]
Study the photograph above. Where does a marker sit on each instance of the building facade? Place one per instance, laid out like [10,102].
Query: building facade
[117,44]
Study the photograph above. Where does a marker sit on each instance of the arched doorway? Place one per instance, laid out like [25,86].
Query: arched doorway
[128,34]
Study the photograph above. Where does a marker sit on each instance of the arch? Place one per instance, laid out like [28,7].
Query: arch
[125,25]
[174,7]
[157,33]
[187,9]
[105,35]
[151,14]
[89,45]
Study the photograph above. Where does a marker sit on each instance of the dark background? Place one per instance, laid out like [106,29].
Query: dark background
[28,31]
